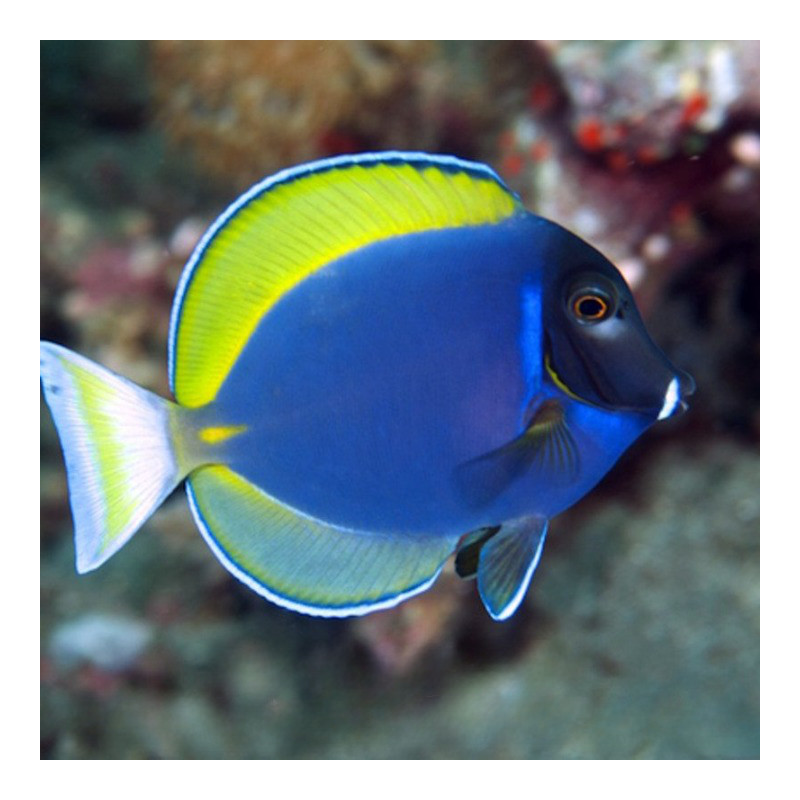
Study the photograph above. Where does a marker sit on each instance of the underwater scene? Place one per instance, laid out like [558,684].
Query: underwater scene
[427,376]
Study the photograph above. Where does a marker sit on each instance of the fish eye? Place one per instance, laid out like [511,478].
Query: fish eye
[590,304]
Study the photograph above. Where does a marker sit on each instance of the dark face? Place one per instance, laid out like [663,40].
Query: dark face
[597,347]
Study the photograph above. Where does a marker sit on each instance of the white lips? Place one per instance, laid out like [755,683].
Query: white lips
[671,400]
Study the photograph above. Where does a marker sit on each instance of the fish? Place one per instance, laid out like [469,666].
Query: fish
[378,362]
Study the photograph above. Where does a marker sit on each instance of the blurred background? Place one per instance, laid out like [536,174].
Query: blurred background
[639,637]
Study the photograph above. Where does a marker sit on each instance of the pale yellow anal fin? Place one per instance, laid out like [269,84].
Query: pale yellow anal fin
[305,564]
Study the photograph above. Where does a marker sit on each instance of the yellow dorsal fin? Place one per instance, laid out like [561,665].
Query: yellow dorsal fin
[295,223]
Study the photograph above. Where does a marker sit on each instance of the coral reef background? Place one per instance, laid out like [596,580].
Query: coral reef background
[639,637]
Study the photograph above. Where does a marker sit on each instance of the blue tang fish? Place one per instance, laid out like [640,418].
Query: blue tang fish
[377,361]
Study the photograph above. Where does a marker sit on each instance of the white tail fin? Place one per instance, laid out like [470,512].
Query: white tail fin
[118,448]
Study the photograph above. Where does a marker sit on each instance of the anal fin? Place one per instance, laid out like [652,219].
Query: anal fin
[306,564]
[507,563]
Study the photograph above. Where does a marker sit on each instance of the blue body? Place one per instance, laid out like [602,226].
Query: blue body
[368,383]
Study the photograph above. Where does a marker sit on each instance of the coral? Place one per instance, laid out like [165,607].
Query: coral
[647,101]
[109,280]
[398,639]
[248,108]
[650,150]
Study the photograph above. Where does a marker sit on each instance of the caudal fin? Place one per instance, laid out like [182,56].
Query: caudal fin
[118,449]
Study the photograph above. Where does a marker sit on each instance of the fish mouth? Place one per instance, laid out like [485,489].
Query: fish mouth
[680,387]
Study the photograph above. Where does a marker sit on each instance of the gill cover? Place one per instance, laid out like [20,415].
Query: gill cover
[597,348]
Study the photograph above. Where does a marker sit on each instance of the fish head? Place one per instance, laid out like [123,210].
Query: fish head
[597,348]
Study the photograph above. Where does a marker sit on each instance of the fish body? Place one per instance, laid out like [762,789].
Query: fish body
[375,358]
[367,386]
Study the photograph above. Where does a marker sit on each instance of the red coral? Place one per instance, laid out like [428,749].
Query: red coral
[590,134]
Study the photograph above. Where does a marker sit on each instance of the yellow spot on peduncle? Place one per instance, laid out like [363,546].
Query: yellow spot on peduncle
[220,433]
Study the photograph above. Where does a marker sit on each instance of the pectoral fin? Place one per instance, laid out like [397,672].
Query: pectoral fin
[507,562]
[545,444]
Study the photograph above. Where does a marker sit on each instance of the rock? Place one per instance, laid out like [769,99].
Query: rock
[110,642]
